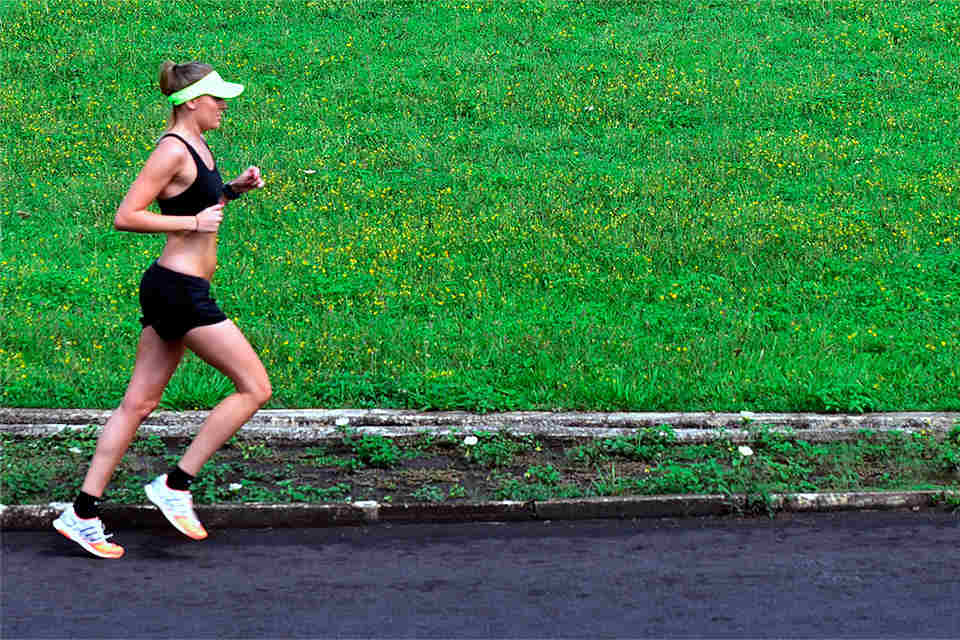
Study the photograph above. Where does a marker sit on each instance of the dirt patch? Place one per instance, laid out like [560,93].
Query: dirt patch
[494,466]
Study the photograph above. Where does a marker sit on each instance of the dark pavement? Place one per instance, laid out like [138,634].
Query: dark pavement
[876,575]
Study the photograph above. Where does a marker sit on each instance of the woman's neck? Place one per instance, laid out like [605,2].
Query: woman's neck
[187,128]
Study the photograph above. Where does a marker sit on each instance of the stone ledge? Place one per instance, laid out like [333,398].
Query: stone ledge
[292,418]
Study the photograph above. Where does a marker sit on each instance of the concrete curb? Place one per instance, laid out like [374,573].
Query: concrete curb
[287,418]
[228,516]
[301,426]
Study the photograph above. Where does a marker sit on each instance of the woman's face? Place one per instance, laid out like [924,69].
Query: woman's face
[209,111]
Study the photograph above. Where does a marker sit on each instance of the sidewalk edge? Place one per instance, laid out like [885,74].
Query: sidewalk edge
[256,515]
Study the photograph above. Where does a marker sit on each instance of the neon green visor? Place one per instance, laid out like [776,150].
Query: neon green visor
[209,85]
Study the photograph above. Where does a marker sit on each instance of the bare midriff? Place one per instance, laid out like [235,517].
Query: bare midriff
[191,253]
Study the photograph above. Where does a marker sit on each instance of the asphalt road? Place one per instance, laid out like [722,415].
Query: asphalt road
[813,576]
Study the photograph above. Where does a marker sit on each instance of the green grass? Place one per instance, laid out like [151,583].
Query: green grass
[505,205]
[430,468]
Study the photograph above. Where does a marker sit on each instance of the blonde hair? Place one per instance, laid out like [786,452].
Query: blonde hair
[174,77]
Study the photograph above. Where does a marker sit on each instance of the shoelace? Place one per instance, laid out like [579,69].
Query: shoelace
[181,505]
[94,534]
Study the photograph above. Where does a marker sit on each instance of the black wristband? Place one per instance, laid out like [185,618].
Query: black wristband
[229,193]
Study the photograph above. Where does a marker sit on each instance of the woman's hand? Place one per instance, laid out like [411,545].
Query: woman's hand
[248,181]
[208,220]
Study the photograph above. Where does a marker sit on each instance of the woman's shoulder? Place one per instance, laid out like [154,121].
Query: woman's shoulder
[171,146]
[172,142]
[169,155]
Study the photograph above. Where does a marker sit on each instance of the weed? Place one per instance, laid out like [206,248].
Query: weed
[195,385]
[126,487]
[609,483]
[954,436]
[759,503]
[949,499]
[499,449]
[81,442]
[26,480]
[543,474]
[429,494]
[149,446]
[372,450]
[254,475]
[512,488]
[209,487]
[251,449]
[291,491]
[320,457]
[671,478]
[650,444]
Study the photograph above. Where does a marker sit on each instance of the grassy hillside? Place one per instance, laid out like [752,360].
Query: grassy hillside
[505,205]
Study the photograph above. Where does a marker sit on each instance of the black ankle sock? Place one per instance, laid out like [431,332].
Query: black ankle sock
[179,479]
[85,506]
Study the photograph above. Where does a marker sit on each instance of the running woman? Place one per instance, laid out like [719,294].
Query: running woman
[178,311]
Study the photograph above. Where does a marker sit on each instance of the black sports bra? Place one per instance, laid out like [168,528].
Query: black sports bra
[204,192]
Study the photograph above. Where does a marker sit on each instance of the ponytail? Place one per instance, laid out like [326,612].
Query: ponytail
[174,77]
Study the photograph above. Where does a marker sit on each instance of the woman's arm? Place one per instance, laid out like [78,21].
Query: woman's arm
[247,181]
[161,168]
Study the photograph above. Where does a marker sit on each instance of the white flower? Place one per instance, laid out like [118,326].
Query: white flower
[75,450]
[235,486]
[342,422]
[745,450]
[470,441]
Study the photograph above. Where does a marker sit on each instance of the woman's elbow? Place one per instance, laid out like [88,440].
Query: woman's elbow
[121,221]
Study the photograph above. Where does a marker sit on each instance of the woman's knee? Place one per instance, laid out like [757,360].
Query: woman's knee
[259,390]
[266,391]
[139,407]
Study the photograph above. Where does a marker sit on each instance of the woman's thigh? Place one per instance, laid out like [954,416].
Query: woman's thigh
[157,359]
[224,347]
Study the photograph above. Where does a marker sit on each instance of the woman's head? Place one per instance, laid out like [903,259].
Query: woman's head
[192,83]
[174,77]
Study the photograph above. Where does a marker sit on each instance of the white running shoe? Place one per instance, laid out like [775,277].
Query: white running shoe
[88,533]
[176,506]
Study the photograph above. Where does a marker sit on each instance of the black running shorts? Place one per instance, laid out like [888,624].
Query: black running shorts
[174,303]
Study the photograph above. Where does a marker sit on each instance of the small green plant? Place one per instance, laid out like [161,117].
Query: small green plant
[513,488]
[81,442]
[609,483]
[28,479]
[949,499]
[499,449]
[252,449]
[149,446]
[320,457]
[760,503]
[543,474]
[674,477]
[291,491]
[195,386]
[256,493]
[210,486]
[949,452]
[650,444]
[372,450]
[429,494]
